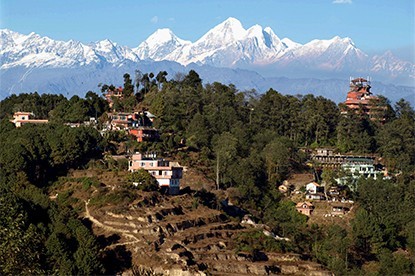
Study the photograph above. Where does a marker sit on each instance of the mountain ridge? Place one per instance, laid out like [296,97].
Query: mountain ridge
[238,53]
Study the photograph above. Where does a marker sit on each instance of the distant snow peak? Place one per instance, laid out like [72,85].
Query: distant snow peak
[105,45]
[290,44]
[231,26]
[228,44]
[158,45]
[162,36]
[226,32]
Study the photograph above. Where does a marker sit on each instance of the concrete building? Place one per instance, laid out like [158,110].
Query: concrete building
[145,134]
[21,118]
[305,208]
[137,124]
[167,174]
[329,158]
[361,169]
[314,188]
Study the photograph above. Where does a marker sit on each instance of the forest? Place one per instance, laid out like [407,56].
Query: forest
[244,141]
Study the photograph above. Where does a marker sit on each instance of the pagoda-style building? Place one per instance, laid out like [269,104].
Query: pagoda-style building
[360,99]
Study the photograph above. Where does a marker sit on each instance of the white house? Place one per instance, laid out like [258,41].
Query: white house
[21,118]
[355,171]
[313,188]
[365,170]
[317,196]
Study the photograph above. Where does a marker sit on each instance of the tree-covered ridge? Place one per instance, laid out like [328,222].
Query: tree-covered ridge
[55,107]
[246,143]
[39,236]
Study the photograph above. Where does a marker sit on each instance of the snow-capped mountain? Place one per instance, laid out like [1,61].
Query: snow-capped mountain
[33,62]
[35,51]
[333,54]
[229,44]
[388,63]
[111,52]
[159,45]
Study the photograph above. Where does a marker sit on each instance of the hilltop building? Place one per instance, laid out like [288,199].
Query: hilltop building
[111,94]
[21,118]
[167,174]
[359,94]
[138,124]
[329,158]
[360,98]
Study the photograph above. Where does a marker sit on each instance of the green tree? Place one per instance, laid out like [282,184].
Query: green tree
[96,104]
[332,249]
[278,155]
[329,179]
[85,256]
[146,181]
[20,242]
[396,139]
[128,90]
[355,133]
[198,134]
[284,218]
[145,82]
[192,79]
[161,78]
[225,149]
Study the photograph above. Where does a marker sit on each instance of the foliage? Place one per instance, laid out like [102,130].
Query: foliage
[332,249]
[246,141]
[255,240]
[20,241]
[78,110]
[38,236]
[119,197]
[397,139]
[145,180]
[40,105]
[225,150]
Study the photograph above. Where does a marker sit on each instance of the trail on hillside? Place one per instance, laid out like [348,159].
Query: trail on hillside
[125,233]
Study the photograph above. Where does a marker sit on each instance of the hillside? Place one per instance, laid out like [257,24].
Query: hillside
[186,234]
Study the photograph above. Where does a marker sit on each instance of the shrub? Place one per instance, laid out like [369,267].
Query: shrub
[146,182]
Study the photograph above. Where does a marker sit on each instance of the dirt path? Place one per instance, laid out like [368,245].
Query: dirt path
[123,232]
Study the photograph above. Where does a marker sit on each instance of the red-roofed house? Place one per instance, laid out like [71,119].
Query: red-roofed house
[305,208]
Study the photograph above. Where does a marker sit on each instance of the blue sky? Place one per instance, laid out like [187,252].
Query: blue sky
[374,26]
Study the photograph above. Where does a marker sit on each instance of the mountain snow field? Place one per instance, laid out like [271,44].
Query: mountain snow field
[227,53]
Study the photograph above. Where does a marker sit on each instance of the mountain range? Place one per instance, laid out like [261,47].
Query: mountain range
[253,58]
